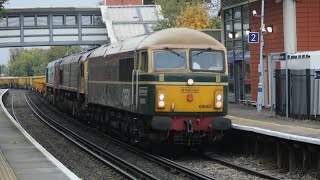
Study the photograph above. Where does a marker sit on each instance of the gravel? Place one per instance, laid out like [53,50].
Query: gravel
[87,167]
[78,161]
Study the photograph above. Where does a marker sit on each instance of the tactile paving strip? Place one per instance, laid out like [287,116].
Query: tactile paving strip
[5,170]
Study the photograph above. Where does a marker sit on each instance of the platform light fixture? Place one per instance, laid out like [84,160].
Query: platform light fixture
[233,35]
[247,31]
[270,29]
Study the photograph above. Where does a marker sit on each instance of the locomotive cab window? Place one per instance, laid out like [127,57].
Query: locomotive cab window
[170,59]
[143,61]
[206,60]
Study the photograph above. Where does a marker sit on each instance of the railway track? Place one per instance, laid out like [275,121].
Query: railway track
[238,167]
[121,166]
[164,162]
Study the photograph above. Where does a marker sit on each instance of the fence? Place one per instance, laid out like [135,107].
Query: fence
[304,94]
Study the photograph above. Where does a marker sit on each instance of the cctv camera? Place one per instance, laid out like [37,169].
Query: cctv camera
[254,12]
[263,30]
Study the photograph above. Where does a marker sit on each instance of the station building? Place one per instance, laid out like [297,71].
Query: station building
[295,28]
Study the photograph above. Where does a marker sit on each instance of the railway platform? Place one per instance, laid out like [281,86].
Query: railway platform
[247,118]
[21,157]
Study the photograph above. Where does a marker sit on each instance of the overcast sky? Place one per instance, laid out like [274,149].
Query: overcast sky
[4,52]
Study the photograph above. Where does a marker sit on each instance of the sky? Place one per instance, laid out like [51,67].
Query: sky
[4,52]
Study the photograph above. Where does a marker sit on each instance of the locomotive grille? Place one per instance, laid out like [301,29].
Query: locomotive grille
[182,138]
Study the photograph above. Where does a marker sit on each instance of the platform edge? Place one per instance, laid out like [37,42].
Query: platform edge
[59,165]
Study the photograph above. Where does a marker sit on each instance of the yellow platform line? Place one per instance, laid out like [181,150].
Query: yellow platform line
[270,123]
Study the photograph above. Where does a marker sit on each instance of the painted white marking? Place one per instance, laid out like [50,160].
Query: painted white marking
[278,134]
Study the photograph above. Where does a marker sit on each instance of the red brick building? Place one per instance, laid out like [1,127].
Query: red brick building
[295,24]
[122,2]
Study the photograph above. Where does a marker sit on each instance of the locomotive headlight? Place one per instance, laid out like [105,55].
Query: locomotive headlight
[218,104]
[161,104]
[190,82]
[219,97]
[161,97]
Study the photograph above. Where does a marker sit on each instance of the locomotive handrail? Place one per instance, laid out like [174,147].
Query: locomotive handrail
[132,92]
[137,88]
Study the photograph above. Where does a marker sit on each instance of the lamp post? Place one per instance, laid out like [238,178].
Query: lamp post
[260,68]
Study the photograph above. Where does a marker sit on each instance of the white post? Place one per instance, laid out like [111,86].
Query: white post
[260,84]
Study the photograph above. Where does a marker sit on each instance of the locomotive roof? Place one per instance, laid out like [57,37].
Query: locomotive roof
[179,37]
[173,37]
[71,59]
[85,55]
[52,63]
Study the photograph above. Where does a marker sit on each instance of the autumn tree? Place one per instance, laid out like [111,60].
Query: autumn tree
[193,16]
[170,9]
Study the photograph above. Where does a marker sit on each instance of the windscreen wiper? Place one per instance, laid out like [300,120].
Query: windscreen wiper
[172,51]
[202,51]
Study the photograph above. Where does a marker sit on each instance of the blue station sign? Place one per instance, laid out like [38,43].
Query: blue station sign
[253,37]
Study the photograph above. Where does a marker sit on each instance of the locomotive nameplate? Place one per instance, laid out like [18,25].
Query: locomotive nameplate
[189,89]
[143,91]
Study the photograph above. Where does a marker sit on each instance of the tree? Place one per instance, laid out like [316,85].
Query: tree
[215,23]
[193,16]
[32,62]
[170,9]
[2,11]
[56,52]
[28,63]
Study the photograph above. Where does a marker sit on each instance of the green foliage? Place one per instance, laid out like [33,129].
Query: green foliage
[215,23]
[2,11]
[56,52]
[32,62]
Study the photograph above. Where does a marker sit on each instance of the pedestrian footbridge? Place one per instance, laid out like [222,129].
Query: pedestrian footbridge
[52,26]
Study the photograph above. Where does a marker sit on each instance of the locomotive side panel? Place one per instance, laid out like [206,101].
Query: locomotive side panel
[110,80]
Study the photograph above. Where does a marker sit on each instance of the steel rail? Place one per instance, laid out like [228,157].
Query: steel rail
[13,111]
[91,148]
[156,159]
[162,160]
[246,170]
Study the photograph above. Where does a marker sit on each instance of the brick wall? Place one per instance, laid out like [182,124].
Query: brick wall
[274,42]
[122,2]
[308,25]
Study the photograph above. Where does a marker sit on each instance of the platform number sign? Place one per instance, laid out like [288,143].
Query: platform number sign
[253,37]
[317,74]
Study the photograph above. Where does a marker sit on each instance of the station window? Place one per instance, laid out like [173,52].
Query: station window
[57,20]
[71,20]
[13,21]
[3,22]
[86,20]
[29,21]
[42,20]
